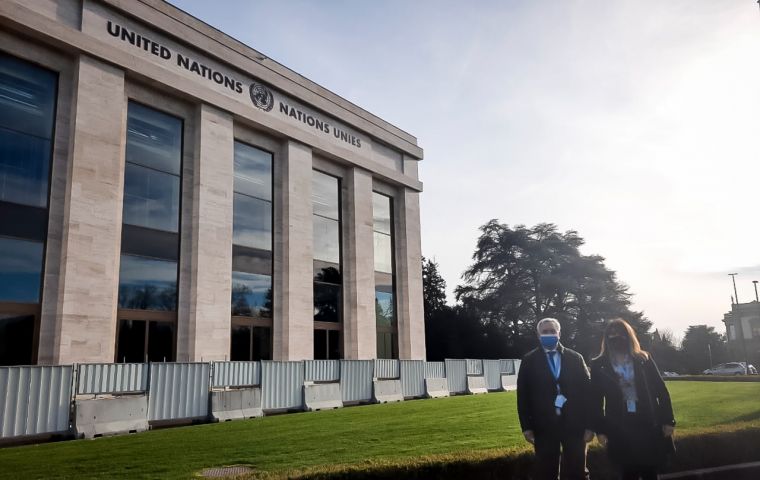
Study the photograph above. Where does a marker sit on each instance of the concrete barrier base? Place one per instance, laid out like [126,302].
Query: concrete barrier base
[508,382]
[322,396]
[111,415]
[236,404]
[476,385]
[436,387]
[385,391]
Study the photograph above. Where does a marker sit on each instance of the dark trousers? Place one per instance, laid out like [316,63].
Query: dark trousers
[632,473]
[570,447]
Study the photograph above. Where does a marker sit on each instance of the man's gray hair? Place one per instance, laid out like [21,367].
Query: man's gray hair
[548,320]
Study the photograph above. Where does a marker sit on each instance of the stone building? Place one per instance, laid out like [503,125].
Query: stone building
[168,193]
[743,321]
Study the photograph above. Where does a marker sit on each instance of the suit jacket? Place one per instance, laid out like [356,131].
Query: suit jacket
[537,391]
[609,405]
[653,408]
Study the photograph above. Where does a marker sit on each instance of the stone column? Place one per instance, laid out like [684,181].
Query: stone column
[205,334]
[293,333]
[359,329]
[91,240]
[411,321]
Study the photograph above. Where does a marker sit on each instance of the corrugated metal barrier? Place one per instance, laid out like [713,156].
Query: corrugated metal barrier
[456,374]
[385,368]
[435,370]
[474,367]
[282,385]
[236,374]
[34,400]
[178,390]
[356,380]
[413,378]
[492,374]
[508,367]
[102,378]
[322,370]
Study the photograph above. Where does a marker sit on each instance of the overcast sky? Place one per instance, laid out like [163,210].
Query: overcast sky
[635,123]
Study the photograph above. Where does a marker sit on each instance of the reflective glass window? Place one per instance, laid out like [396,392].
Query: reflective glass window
[147,283]
[130,346]
[253,171]
[24,168]
[252,222]
[383,253]
[386,345]
[27,97]
[251,295]
[240,343]
[151,198]
[16,339]
[20,270]
[160,342]
[326,239]
[384,309]
[320,344]
[381,213]
[154,139]
[325,195]
[326,302]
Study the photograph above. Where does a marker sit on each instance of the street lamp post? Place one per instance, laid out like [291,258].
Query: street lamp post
[741,325]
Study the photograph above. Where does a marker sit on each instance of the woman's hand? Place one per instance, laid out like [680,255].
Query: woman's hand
[602,439]
[588,435]
[667,430]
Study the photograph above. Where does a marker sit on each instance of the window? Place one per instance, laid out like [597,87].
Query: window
[148,275]
[328,283]
[385,298]
[251,303]
[27,116]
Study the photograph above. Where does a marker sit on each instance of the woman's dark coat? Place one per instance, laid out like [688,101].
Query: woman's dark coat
[646,445]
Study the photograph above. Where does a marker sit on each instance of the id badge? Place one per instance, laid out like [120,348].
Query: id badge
[559,402]
[631,405]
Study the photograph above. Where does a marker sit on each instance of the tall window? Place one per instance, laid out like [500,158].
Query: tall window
[251,336]
[385,304]
[147,318]
[27,116]
[327,272]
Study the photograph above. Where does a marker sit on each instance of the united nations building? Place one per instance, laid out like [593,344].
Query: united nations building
[168,193]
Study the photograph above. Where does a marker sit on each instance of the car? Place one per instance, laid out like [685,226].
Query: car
[669,374]
[730,368]
[752,369]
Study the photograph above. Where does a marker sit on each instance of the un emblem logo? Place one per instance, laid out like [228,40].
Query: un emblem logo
[261,96]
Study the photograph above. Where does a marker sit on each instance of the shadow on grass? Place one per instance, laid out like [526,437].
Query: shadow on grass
[693,452]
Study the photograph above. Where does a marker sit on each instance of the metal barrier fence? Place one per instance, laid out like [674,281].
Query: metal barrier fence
[37,400]
[111,378]
[236,374]
[178,390]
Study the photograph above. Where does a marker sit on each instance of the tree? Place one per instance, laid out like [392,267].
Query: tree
[433,287]
[664,350]
[700,342]
[521,275]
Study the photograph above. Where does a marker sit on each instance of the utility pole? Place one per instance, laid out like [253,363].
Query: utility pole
[755,281]
[741,324]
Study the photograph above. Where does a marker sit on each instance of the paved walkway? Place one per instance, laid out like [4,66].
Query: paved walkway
[742,471]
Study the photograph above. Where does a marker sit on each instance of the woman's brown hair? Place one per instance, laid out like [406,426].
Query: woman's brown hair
[621,327]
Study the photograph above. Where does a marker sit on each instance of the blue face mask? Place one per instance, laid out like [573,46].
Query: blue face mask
[549,341]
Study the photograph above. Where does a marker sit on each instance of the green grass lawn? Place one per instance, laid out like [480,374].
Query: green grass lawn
[367,435]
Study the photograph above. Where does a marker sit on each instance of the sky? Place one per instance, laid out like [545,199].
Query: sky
[633,122]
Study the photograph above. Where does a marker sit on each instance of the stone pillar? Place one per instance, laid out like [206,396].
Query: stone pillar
[411,321]
[205,334]
[293,332]
[91,241]
[359,329]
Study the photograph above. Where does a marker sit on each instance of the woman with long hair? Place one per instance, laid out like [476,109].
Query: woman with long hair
[632,413]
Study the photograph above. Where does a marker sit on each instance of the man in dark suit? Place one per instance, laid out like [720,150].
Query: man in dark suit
[553,402]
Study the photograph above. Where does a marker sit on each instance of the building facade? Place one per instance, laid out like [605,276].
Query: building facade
[743,332]
[170,194]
